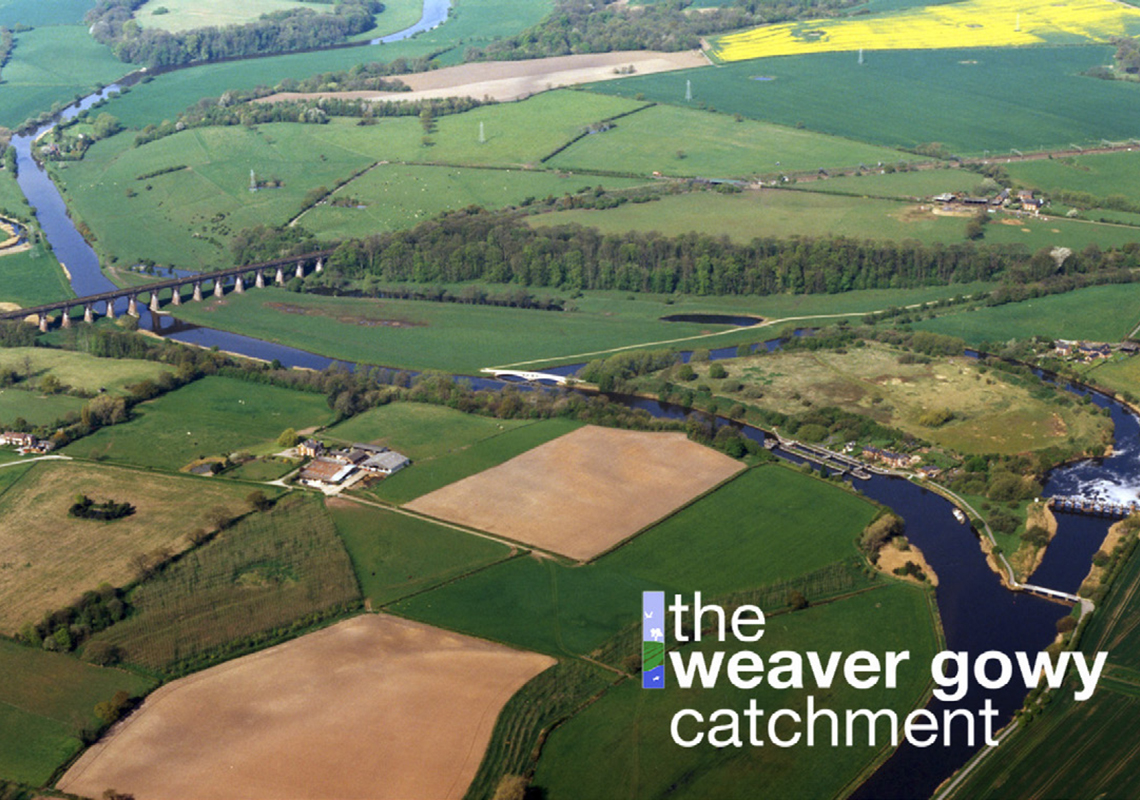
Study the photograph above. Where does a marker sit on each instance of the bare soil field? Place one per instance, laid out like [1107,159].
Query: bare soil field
[48,559]
[373,707]
[514,80]
[584,492]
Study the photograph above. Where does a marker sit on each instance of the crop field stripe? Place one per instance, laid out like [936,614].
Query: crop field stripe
[939,27]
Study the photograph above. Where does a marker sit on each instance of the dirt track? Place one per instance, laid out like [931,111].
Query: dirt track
[373,707]
[584,492]
[513,80]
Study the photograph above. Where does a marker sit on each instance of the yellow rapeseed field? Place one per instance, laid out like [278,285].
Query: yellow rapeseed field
[976,23]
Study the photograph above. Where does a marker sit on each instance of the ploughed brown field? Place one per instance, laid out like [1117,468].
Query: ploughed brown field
[373,707]
[584,492]
[514,80]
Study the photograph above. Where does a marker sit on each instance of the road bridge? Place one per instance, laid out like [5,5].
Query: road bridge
[237,278]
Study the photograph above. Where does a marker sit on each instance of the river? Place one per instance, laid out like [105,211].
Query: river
[977,613]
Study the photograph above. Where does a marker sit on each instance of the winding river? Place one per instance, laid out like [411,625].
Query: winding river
[977,613]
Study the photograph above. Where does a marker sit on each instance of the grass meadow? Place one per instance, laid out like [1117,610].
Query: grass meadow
[916,184]
[44,699]
[32,278]
[1102,175]
[396,555]
[397,196]
[53,64]
[211,417]
[471,23]
[435,473]
[35,408]
[48,558]
[991,413]
[1099,313]
[910,97]
[687,141]
[80,370]
[446,336]
[783,213]
[766,525]
[184,15]
[596,753]
[272,571]
[42,12]
[187,217]
[419,430]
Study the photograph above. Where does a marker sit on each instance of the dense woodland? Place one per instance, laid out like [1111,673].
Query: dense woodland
[583,26]
[500,248]
[112,23]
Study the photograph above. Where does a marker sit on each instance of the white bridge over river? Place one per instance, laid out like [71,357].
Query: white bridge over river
[529,377]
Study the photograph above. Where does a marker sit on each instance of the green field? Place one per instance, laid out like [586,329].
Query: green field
[210,417]
[1099,313]
[187,217]
[918,184]
[35,408]
[266,468]
[42,12]
[184,15]
[690,142]
[1119,374]
[745,216]
[45,698]
[1102,174]
[769,524]
[421,478]
[398,196]
[32,278]
[907,98]
[50,65]
[471,23]
[419,430]
[446,336]
[80,370]
[1073,748]
[278,570]
[396,555]
[534,603]
[604,751]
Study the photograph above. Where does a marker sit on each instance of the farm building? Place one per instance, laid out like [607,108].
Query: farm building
[18,439]
[895,460]
[321,472]
[310,448]
[385,463]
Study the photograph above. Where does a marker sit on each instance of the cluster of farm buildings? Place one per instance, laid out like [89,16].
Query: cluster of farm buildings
[1091,351]
[331,469]
[1023,199]
[26,442]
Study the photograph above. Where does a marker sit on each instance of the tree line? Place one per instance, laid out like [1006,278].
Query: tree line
[112,23]
[235,108]
[584,26]
[473,244]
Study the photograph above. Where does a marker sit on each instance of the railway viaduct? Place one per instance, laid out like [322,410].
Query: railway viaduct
[249,276]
